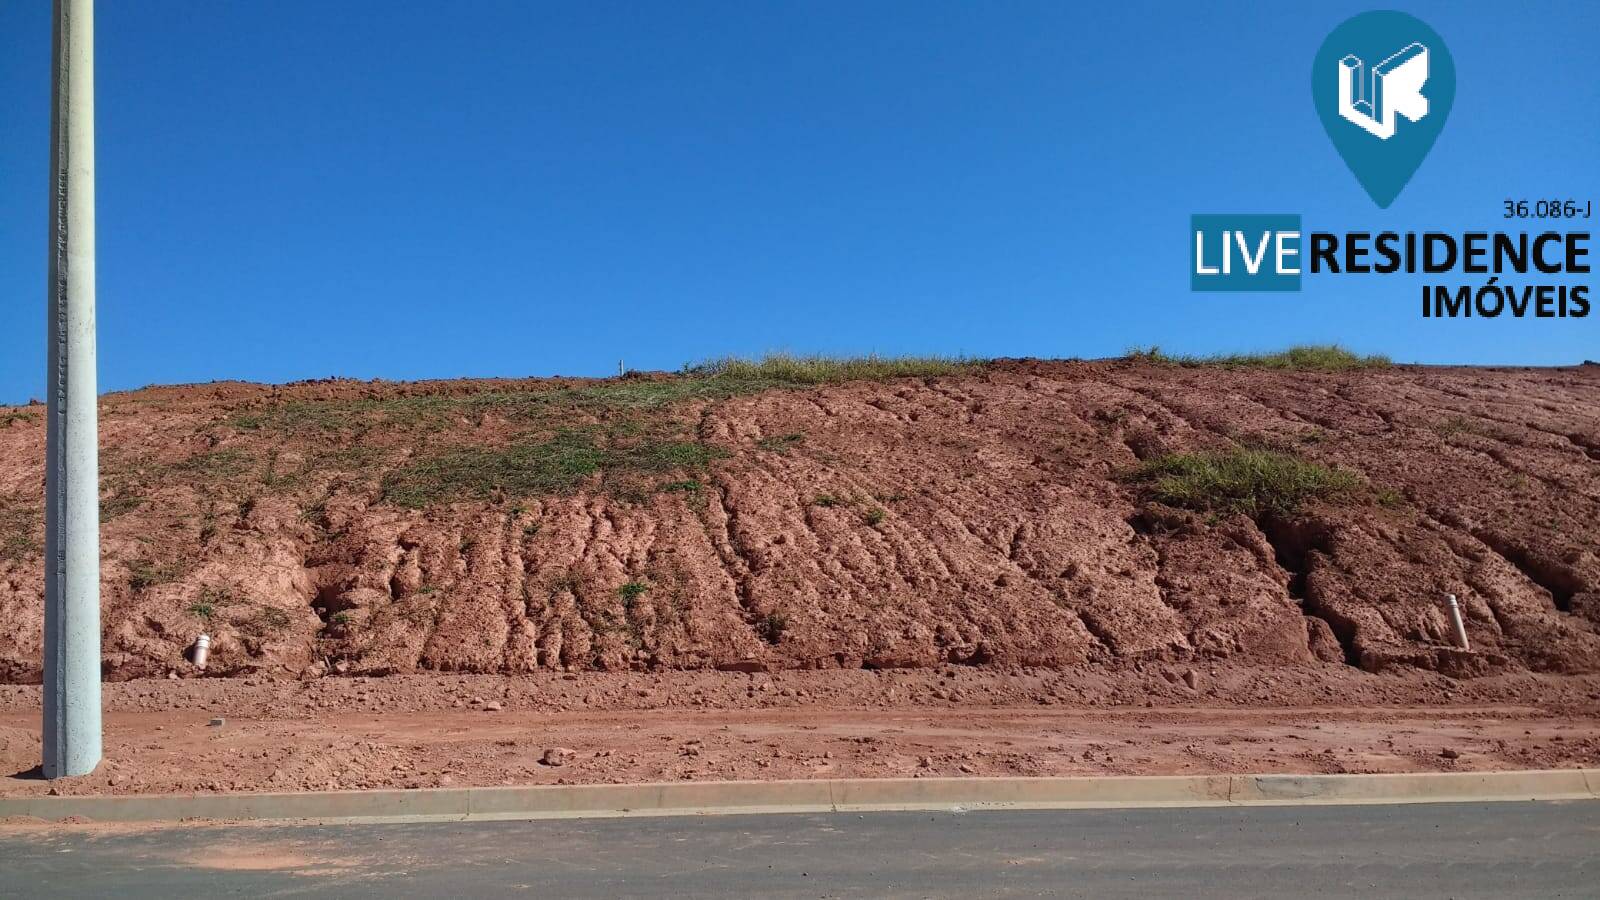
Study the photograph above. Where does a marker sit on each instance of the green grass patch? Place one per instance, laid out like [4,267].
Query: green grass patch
[786,368]
[631,592]
[1463,425]
[544,402]
[1310,358]
[536,404]
[113,507]
[145,573]
[1253,482]
[782,443]
[553,465]
[20,529]
[128,478]
[16,546]
[618,401]
[1389,498]
[662,456]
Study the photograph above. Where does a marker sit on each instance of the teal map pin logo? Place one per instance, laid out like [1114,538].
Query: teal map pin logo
[1383,84]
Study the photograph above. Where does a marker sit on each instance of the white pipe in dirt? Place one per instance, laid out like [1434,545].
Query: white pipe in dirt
[202,649]
[1459,626]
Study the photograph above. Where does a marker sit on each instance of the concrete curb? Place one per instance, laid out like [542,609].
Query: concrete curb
[841,795]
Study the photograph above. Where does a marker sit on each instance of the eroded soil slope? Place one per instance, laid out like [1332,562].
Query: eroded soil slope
[982,517]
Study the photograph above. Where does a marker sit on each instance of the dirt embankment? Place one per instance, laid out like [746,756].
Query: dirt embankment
[974,518]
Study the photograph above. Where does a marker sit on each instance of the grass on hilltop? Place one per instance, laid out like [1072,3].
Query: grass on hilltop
[1312,358]
[633,396]
[1253,482]
[786,368]
[622,430]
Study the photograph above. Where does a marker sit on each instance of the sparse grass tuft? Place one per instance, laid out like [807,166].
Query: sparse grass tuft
[785,368]
[113,507]
[770,627]
[18,527]
[214,464]
[1253,482]
[202,610]
[1310,358]
[631,592]
[215,597]
[1462,425]
[781,443]
[875,516]
[144,573]
[16,546]
[265,622]
[1389,498]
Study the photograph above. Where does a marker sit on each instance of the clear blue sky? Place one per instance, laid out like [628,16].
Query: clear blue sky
[408,190]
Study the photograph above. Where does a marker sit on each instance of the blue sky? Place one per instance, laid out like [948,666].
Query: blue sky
[405,190]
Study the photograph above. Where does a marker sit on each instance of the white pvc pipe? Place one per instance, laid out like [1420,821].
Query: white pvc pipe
[71,733]
[1459,626]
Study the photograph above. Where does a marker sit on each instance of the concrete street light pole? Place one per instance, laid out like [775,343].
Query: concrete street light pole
[72,466]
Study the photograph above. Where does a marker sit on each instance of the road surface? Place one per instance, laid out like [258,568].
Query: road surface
[1441,850]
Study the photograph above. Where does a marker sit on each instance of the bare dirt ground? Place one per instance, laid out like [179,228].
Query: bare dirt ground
[708,578]
[433,731]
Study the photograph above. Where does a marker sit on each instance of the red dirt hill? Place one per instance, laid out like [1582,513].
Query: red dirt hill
[988,514]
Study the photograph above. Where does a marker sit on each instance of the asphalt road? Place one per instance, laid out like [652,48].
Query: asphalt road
[1445,850]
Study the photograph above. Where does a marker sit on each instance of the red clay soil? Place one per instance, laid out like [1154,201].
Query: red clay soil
[433,730]
[946,575]
[980,518]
